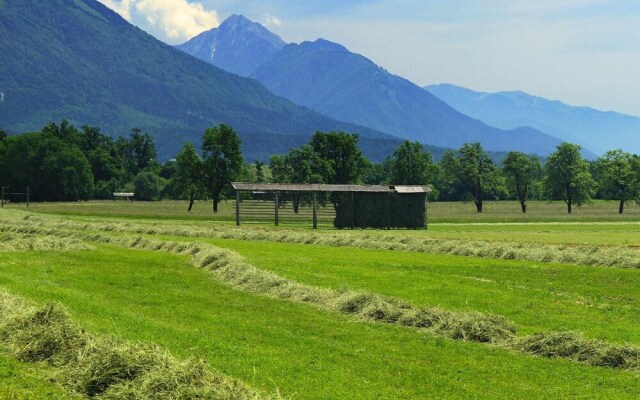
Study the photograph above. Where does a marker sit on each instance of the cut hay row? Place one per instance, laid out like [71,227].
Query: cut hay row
[586,255]
[31,242]
[231,269]
[106,368]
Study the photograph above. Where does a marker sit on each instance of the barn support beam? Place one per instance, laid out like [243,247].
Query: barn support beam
[315,211]
[237,208]
[277,202]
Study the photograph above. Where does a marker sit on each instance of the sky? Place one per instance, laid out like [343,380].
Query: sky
[582,52]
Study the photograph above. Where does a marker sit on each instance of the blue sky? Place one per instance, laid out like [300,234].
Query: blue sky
[583,52]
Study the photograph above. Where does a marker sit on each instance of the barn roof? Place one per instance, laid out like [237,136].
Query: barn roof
[320,187]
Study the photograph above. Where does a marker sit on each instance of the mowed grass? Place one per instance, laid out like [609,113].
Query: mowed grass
[20,381]
[302,351]
[601,302]
[438,212]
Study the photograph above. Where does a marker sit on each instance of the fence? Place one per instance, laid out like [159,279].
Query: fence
[3,193]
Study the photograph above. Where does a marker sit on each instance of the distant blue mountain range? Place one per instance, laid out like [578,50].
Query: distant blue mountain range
[596,130]
[328,78]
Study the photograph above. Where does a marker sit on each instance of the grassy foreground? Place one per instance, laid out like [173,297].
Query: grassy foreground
[305,352]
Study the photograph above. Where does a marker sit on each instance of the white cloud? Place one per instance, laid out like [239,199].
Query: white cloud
[178,19]
[122,7]
[174,20]
[269,20]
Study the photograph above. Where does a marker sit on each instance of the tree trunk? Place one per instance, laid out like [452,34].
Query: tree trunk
[192,198]
[621,208]
[569,206]
[215,205]
[479,206]
[523,205]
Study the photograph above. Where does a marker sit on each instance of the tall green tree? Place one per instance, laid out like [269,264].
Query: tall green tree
[471,170]
[260,178]
[143,150]
[411,164]
[301,165]
[222,159]
[567,176]
[342,160]
[188,178]
[521,171]
[618,176]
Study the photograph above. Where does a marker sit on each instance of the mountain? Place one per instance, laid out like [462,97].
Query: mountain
[77,59]
[597,130]
[327,78]
[238,45]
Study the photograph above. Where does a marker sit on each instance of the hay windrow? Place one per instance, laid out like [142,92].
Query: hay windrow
[603,256]
[35,242]
[574,346]
[231,269]
[98,366]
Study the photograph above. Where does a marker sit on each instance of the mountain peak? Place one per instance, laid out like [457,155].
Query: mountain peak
[238,45]
[237,21]
[325,46]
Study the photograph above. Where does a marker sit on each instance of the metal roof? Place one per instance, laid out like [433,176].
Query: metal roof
[411,189]
[320,187]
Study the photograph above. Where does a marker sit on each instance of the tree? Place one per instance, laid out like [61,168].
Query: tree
[471,171]
[259,171]
[521,171]
[146,186]
[221,151]
[618,175]
[300,165]
[412,165]
[567,176]
[3,134]
[342,160]
[138,153]
[188,178]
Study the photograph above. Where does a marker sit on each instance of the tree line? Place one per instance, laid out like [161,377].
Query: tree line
[63,163]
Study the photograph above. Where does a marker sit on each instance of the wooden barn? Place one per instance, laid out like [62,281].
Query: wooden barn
[349,206]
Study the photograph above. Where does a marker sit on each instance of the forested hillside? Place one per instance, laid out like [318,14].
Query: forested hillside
[78,60]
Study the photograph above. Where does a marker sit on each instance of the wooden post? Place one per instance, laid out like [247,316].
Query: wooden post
[27,196]
[237,208]
[277,206]
[315,211]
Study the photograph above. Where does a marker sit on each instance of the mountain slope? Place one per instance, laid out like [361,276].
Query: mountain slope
[238,45]
[77,59]
[326,77]
[597,130]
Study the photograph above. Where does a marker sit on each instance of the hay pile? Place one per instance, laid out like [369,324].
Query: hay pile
[604,256]
[574,346]
[230,268]
[35,242]
[103,367]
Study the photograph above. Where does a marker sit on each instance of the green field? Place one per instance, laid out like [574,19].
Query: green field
[439,212]
[147,290]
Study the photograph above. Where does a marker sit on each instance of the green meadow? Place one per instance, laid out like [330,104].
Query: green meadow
[139,273]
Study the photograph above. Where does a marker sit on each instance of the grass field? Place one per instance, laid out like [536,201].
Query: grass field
[304,351]
[496,211]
